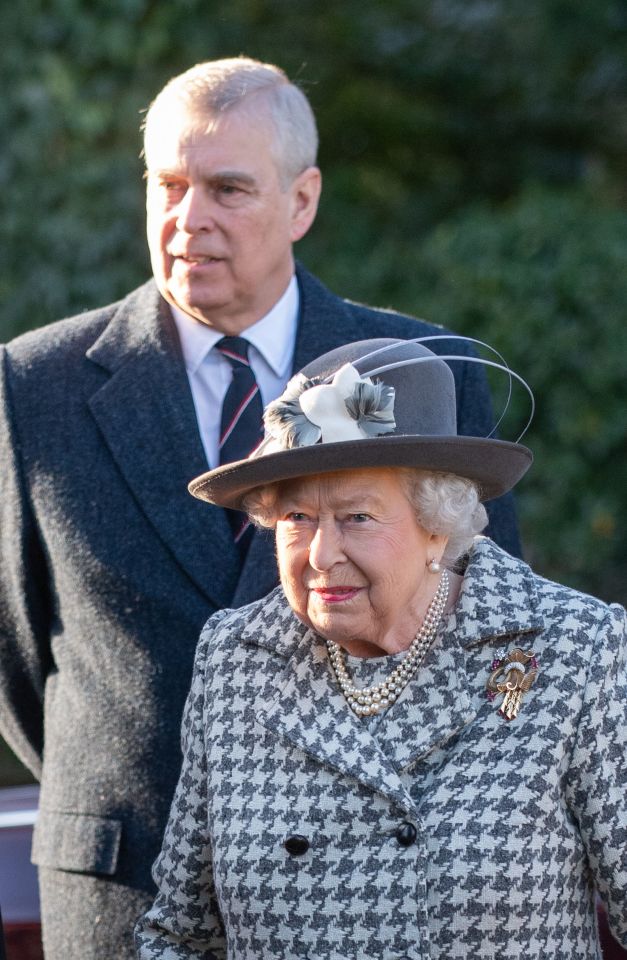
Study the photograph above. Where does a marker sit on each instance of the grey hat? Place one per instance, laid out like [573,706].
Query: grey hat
[374,403]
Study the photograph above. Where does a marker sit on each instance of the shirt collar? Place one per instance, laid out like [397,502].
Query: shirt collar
[273,336]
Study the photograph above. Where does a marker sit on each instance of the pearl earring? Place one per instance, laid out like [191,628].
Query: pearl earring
[434,566]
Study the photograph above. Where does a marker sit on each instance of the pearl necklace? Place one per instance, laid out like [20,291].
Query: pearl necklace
[372,700]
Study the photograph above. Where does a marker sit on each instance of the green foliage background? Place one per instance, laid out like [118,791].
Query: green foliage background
[473,154]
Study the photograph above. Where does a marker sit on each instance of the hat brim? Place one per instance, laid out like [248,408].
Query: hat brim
[495,465]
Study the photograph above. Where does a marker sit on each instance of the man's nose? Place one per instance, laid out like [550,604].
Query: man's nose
[325,550]
[195,211]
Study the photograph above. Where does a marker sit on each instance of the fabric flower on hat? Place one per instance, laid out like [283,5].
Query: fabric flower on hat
[348,408]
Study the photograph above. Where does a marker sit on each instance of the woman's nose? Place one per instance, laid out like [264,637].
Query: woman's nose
[195,212]
[325,550]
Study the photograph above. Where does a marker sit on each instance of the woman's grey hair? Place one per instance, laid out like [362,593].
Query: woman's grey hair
[446,504]
[442,502]
[210,89]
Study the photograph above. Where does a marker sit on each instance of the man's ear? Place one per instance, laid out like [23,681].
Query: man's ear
[305,193]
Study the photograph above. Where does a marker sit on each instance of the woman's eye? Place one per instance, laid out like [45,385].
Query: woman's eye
[360,517]
[296,517]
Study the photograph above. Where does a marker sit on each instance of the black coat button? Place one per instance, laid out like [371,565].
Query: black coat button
[297,845]
[406,834]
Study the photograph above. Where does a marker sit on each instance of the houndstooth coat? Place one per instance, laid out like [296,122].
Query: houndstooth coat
[437,830]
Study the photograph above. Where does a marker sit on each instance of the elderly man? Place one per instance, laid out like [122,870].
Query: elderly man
[108,568]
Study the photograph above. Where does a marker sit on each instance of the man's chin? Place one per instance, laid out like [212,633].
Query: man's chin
[208,310]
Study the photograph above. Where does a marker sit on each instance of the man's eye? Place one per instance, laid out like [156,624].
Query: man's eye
[360,517]
[228,192]
[172,187]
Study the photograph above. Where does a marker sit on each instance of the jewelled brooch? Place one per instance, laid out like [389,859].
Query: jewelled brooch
[511,677]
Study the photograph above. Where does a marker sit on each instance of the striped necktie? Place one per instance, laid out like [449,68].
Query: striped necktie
[241,424]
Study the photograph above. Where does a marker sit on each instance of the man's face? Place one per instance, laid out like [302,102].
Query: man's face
[220,224]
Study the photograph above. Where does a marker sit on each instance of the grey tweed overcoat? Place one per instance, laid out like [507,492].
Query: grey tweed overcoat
[283,840]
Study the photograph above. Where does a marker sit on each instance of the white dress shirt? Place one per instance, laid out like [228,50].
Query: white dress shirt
[272,341]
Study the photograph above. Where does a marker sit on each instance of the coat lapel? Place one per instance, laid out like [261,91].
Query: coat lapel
[259,574]
[432,708]
[325,322]
[309,711]
[146,415]
[495,610]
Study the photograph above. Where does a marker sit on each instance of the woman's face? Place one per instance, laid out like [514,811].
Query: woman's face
[353,559]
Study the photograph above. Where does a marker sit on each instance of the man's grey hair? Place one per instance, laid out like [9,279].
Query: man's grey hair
[443,503]
[208,90]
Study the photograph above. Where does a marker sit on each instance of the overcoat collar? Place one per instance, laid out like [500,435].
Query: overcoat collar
[496,606]
[496,609]
[309,710]
[146,415]
[326,321]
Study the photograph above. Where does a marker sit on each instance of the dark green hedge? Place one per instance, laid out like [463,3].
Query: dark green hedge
[423,107]
[543,279]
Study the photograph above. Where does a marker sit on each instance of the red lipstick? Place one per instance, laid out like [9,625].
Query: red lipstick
[336,594]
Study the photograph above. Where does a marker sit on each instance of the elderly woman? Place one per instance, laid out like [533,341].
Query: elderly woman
[414,747]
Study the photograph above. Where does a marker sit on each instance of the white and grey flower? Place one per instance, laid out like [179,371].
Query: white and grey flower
[284,419]
[372,406]
[348,408]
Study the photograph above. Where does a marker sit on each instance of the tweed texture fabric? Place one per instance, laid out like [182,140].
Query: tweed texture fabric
[109,569]
[514,823]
